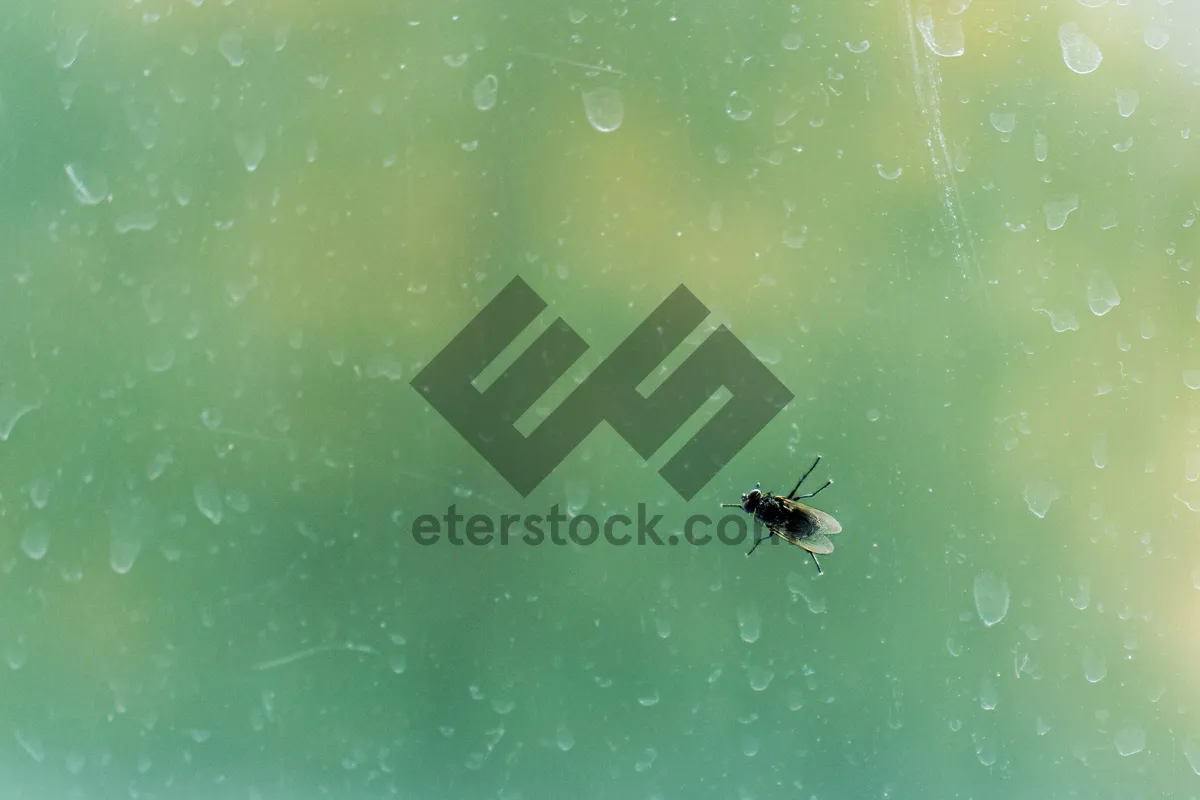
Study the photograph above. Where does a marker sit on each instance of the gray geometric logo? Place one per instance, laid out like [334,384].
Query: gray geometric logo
[609,394]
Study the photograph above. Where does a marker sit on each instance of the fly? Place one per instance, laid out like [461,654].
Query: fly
[790,519]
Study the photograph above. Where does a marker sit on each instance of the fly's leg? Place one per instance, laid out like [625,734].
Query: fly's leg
[802,477]
[770,533]
[828,483]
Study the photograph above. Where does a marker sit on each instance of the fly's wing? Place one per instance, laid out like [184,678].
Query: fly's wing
[816,543]
[806,521]
[824,523]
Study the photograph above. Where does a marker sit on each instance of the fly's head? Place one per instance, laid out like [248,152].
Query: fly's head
[751,499]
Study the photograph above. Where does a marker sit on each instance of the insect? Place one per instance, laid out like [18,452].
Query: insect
[791,520]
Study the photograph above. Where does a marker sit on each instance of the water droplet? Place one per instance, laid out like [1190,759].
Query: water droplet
[90,187]
[208,500]
[1039,495]
[142,221]
[1041,146]
[604,108]
[1127,101]
[760,678]
[456,60]
[1191,751]
[564,739]
[1191,378]
[987,695]
[14,406]
[714,224]
[1056,211]
[32,745]
[485,93]
[68,48]
[749,623]
[251,146]
[1130,741]
[888,175]
[945,37]
[1094,667]
[1099,450]
[35,541]
[230,45]
[129,528]
[992,597]
[1003,122]
[649,700]
[1102,295]
[792,40]
[1079,53]
[858,47]
[738,107]
[1081,599]
[1155,37]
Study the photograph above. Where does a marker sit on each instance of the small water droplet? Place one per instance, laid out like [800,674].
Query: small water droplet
[251,146]
[230,45]
[485,93]
[35,541]
[749,623]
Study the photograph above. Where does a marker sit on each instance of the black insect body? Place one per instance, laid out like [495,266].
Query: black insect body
[790,519]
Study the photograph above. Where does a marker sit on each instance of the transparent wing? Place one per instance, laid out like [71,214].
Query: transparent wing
[816,543]
[825,523]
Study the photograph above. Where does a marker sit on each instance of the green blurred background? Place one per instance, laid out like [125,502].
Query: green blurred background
[962,234]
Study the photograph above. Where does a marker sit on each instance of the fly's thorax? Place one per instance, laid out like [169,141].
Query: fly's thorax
[772,510]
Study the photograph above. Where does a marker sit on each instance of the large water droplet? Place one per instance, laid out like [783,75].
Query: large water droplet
[992,597]
[1079,53]
[1130,741]
[1039,495]
[604,108]
[944,37]
[1155,37]
[90,187]
[738,107]
[1057,211]
[1102,295]
[68,48]
[230,45]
